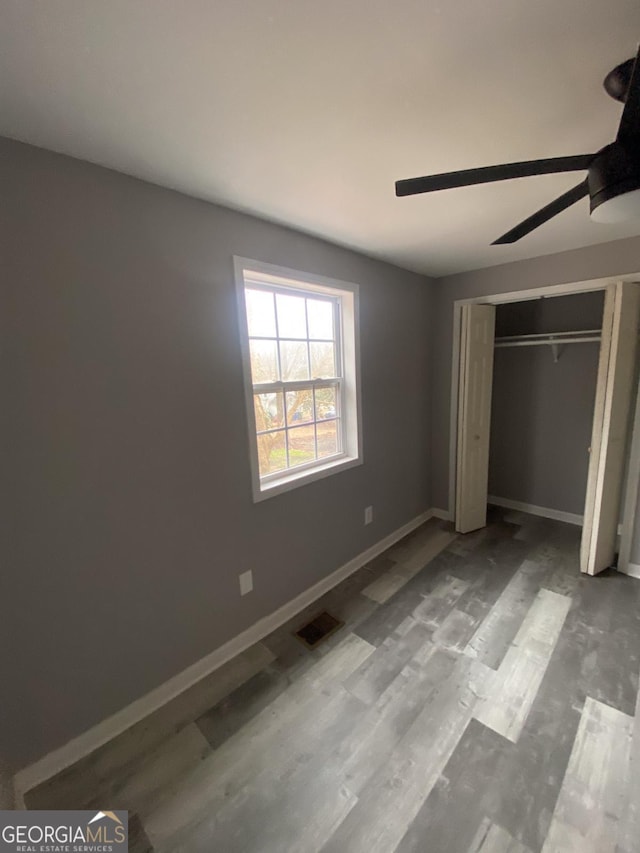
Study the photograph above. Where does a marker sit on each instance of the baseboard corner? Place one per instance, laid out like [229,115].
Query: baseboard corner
[533,509]
[442,514]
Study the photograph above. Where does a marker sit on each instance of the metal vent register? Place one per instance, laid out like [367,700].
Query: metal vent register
[319,629]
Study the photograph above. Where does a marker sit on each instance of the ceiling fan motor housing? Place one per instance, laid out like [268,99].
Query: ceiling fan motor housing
[614,171]
[616,83]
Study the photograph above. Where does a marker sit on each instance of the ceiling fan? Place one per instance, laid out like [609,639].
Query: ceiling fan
[613,173]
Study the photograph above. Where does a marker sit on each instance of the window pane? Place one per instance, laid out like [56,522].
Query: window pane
[264,361]
[269,411]
[302,445]
[294,360]
[292,320]
[299,406]
[261,315]
[320,314]
[327,438]
[325,403]
[272,454]
[323,362]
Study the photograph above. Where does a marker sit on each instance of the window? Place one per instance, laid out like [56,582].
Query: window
[300,361]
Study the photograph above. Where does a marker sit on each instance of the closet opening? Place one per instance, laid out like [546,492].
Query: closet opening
[545,371]
[545,389]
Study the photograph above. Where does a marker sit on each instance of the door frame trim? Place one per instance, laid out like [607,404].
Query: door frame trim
[630,496]
[526,295]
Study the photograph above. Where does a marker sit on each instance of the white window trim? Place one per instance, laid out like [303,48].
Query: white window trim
[348,292]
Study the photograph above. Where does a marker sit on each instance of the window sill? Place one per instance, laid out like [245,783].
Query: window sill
[293,480]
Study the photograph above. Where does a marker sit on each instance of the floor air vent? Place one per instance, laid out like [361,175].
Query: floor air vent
[320,628]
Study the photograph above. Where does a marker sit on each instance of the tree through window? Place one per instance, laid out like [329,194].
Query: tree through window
[295,336]
[296,376]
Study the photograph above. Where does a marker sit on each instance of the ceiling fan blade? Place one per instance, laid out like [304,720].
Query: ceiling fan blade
[544,214]
[488,174]
[629,128]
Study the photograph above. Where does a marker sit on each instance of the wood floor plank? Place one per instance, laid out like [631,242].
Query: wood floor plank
[267,740]
[559,553]
[382,588]
[395,578]
[386,618]
[492,838]
[411,565]
[461,789]
[381,667]
[535,529]
[336,666]
[527,788]
[436,606]
[589,808]
[230,714]
[138,788]
[321,790]
[468,542]
[269,825]
[270,742]
[411,544]
[489,569]
[138,841]
[491,641]
[293,800]
[392,799]
[524,665]
[629,834]
[610,607]
[455,631]
[373,741]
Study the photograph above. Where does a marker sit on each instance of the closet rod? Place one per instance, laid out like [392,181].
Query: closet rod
[547,342]
[549,338]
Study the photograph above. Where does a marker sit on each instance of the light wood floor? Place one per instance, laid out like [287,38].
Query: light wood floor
[481,698]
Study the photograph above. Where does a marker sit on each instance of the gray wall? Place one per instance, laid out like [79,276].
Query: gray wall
[621,257]
[542,411]
[129,473]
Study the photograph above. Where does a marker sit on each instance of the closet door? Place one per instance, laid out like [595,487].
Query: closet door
[474,415]
[614,394]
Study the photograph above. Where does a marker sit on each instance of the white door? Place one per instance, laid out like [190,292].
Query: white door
[614,395]
[474,415]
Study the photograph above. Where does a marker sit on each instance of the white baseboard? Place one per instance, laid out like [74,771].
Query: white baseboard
[95,737]
[632,569]
[543,511]
[442,514]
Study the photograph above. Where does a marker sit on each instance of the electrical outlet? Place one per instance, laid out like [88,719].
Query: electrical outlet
[246,582]
[368,515]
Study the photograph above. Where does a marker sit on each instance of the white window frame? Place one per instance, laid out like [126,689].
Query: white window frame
[346,296]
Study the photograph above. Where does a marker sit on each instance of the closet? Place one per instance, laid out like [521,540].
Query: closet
[544,387]
[545,371]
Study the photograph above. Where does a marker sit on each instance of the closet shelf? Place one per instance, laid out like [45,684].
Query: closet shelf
[556,340]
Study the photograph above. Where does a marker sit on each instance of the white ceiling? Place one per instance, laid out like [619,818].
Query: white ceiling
[306,112]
